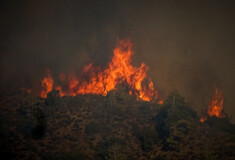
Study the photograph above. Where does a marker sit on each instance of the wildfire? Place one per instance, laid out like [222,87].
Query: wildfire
[47,84]
[216,106]
[96,80]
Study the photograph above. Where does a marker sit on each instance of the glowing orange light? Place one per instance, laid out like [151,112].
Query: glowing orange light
[96,80]
[203,119]
[47,84]
[160,102]
[215,107]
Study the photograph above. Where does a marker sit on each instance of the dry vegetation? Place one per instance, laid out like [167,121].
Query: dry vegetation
[113,127]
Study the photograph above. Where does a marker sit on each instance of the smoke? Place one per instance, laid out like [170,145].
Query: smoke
[188,45]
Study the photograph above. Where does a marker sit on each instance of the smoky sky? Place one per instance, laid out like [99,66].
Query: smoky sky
[188,45]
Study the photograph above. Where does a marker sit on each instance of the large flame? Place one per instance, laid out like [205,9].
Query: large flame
[216,106]
[96,80]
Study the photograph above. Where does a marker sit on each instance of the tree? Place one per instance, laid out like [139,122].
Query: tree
[147,137]
[39,131]
[173,120]
[177,131]
[52,98]
[115,153]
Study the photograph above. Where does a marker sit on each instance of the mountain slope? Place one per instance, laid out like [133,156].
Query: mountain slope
[113,127]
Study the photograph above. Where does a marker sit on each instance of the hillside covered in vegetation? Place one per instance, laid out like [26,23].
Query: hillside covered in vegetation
[115,127]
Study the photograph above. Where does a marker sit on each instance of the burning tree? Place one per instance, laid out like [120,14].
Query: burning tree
[215,107]
[47,84]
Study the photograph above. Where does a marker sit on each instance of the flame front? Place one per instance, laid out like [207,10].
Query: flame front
[99,81]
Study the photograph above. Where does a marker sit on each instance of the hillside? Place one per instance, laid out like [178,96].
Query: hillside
[113,127]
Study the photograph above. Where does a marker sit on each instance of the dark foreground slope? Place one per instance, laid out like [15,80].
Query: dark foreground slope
[113,127]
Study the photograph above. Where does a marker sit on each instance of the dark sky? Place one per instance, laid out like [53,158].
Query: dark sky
[188,45]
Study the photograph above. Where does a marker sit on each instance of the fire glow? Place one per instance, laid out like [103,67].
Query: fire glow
[47,84]
[101,81]
[216,106]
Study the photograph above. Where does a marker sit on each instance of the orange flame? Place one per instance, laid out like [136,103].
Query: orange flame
[160,102]
[203,119]
[216,106]
[47,84]
[96,80]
